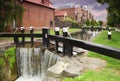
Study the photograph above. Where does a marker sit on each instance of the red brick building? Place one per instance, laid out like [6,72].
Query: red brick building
[70,12]
[38,13]
[80,14]
[60,14]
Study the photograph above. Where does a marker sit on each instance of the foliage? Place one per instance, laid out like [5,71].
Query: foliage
[74,22]
[69,19]
[7,60]
[100,22]
[88,23]
[9,10]
[8,56]
[113,11]
[93,22]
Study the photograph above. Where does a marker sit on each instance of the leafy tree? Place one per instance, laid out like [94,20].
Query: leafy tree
[88,22]
[9,10]
[69,19]
[93,22]
[113,11]
[100,22]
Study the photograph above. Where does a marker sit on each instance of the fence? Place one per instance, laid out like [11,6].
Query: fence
[68,43]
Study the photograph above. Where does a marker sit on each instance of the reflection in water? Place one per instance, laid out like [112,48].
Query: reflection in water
[85,35]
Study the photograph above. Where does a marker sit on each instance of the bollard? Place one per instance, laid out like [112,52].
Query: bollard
[23,38]
[109,34]
[45,32]
[57,29]
[32,39]
[67,48]
[65,32]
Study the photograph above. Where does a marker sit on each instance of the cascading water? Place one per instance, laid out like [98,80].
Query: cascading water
[33,64]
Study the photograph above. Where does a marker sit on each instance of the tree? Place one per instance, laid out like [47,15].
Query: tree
[9,10]
[100,22]
[93,22]
[87,22]
[113,11]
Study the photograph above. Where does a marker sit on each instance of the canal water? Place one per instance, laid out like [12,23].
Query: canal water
[33,63]
[84,35]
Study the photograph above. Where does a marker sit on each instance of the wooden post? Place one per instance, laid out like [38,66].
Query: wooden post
[67,48]
[23,38]
[45,32]
[57,29]
[16,41]
[32,39]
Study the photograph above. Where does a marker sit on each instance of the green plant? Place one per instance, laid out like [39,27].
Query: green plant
[73,21]
[10,10]
[10,55]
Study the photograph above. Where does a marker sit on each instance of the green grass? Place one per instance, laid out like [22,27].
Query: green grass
[112,70]
[9,56]
[71,30]
[104,75]
[114,42]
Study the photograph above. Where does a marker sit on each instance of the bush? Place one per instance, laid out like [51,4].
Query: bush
[74,22]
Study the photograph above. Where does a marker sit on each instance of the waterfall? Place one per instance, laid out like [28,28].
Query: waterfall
[33,63]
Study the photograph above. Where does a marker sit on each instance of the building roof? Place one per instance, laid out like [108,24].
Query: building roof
[59,13]
[38,2]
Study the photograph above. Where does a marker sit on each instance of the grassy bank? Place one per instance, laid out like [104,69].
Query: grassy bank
[112,70]
[114,42]
[7,64]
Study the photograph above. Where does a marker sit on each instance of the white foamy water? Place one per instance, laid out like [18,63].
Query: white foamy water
[30,64]
[30,78]
[33,64]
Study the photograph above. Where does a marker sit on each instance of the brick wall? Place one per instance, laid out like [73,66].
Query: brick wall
[70,12]
[37,15]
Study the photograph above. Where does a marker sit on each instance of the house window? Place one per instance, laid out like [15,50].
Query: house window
[76,17]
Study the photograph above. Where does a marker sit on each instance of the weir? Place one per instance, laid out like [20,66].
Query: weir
[33,63]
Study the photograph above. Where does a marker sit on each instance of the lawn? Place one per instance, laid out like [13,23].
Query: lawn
[71,30]
[114,42]
[112,70]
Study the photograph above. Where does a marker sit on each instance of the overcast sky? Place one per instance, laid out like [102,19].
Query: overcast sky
[98,10]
